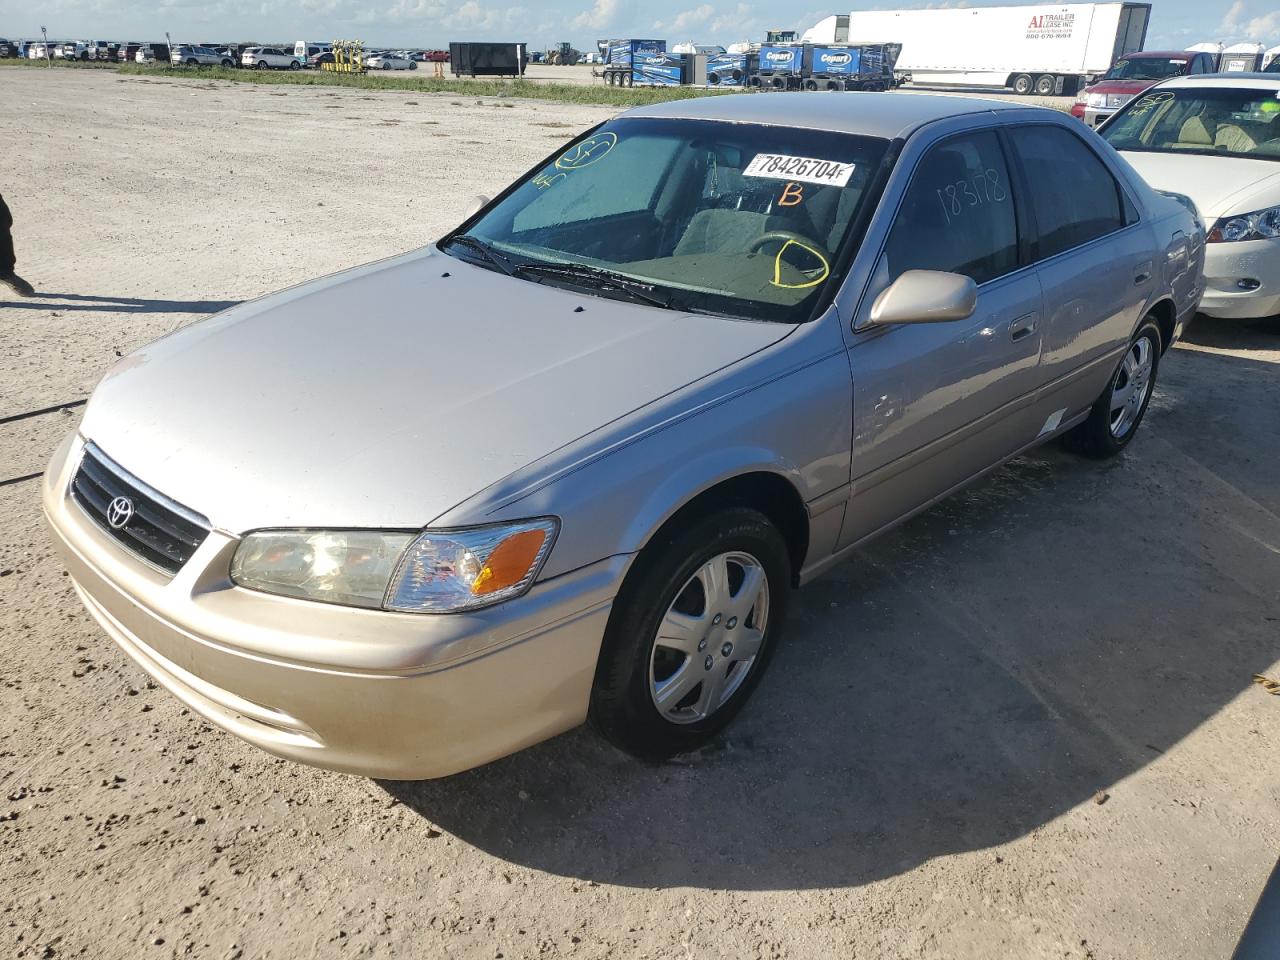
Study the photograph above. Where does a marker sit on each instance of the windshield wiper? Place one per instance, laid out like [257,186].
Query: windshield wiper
[503,263]
[597,279]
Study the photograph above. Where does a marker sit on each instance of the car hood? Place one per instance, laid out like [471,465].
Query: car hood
[383,396]
[1218,185]
[1131,87]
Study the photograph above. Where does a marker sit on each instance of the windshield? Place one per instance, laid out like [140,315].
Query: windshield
[1146,68]
[738,219]
[1237,123]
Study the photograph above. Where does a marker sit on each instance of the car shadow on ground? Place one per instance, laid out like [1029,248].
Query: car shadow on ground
[1258,334]
[962,681]
[73,302]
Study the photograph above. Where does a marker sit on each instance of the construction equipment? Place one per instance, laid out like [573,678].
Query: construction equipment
[348,57]
[562,55]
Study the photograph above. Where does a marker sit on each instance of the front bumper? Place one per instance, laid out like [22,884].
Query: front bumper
[1227,264]
[380,694]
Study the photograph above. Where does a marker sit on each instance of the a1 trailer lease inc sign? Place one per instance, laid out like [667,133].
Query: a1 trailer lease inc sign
[1052,26]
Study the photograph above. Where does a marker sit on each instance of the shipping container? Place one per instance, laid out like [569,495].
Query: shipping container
[1040,48]
[488,59]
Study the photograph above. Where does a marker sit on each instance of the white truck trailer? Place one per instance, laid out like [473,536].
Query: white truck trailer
[1037,48]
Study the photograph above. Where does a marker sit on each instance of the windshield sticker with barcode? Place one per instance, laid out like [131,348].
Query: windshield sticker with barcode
[780,166]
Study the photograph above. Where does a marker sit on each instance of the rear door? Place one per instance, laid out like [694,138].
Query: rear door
[937,403]
[1093,256]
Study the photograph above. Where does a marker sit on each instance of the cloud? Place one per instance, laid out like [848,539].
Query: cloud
[601,14]
[1238,24]
[687,18]
[1234,17]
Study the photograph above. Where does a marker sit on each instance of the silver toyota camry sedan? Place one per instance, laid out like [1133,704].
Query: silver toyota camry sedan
[684,365]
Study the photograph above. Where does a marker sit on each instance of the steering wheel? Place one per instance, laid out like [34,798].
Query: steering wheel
[784,236]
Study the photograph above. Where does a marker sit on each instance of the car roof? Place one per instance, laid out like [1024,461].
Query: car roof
[885,115]
[1153,54]
[1248,81]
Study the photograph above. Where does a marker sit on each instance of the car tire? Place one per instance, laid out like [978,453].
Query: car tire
[386,66]
[227,63]
[1023,84]
[294,65]
[193,62]
[665,586]
[1046,85]
[1117,413]
[413,65]
[262,65]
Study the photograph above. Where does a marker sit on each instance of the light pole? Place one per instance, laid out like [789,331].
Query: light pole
[169,43]
[45,33]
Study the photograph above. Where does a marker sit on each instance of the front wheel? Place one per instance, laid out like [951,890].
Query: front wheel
[227,63]
[691,633]
[294,65]
[1116,414]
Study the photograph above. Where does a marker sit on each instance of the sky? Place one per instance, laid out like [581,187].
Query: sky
[540,23]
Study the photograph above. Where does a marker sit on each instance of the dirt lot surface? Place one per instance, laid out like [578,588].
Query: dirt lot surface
[1020,726]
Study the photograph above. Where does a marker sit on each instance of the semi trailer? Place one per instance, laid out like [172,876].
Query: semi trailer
[1044,49]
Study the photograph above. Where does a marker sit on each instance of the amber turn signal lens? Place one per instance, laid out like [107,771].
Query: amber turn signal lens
[509,563]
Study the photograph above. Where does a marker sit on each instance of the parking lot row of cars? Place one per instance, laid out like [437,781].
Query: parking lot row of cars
[297,56]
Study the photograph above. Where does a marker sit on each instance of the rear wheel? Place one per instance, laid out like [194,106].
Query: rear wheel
[262,64]
[1022,84]
[691,633]
[191,62]
[227,63]
[294,65]
[1046,85]
[1116,414]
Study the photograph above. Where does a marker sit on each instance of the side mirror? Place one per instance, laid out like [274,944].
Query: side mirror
[926,296]
[477,204]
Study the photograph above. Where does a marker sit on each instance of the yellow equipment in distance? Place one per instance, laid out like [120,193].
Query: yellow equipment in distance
[348,57]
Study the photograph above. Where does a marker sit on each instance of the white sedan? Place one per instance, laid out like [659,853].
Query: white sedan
[388,61]
[1216,139]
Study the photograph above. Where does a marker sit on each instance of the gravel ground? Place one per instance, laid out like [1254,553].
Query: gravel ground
[1021,725]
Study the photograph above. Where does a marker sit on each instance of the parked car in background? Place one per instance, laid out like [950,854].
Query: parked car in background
[192,56]
[72,50]
[1131,75]
[308,50]
[37,51]
[741,286]
[8,48]
[320,59]
[128,52]
[152,53]
[101,50]
[270,58]
[388,61]
[1216,139]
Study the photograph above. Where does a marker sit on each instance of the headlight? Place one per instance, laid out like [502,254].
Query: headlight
[1097,99]
[435,571]
[1082,97]
[1260,225]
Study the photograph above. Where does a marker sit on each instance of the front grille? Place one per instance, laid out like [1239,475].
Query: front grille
[162,533]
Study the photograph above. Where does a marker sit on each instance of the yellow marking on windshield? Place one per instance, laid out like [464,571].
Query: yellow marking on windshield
[777,267]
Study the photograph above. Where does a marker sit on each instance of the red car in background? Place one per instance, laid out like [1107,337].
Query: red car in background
[1132,74]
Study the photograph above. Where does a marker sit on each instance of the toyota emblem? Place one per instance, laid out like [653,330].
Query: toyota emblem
[119,512]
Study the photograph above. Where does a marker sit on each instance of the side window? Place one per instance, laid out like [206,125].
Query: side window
[957,214]
[1073,195]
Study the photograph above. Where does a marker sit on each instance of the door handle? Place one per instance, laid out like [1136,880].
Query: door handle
[1142,273]
[1022,327]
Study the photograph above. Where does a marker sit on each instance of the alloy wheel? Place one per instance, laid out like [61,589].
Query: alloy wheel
[1131,386]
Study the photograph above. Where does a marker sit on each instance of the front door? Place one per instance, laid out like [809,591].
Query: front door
[936,403]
